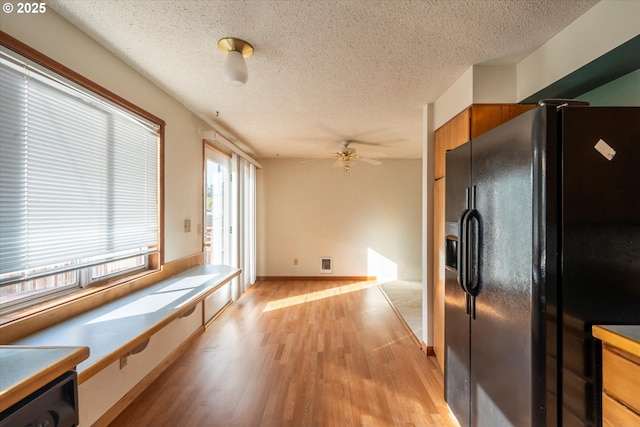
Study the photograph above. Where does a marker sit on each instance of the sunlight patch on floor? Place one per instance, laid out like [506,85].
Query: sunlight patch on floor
[318,295]
[381,267]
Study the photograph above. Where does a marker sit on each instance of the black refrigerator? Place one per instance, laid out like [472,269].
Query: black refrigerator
[542,242]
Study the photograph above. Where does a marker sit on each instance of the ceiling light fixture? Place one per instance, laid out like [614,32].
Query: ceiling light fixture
[235,68]
[346,157]
[345,164]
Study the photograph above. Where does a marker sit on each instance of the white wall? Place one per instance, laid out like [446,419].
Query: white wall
[310,210]
[455,99]
[428,165]
[55,37]
[494,84]
[602,28]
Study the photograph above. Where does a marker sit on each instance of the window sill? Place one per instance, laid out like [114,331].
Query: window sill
[132,320]
[21,323]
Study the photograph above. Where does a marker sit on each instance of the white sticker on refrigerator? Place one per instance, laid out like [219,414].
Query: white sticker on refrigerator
[605,149]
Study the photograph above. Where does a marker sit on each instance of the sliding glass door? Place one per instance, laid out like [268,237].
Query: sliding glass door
[230,215]
[217,208]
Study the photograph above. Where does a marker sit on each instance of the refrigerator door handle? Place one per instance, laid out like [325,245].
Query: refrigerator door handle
[472,246]
[468,271]
[461,273]
[472,309]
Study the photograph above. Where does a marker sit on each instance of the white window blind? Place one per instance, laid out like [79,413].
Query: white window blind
[78,177]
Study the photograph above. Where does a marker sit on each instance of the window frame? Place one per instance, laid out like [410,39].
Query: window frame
[154,261]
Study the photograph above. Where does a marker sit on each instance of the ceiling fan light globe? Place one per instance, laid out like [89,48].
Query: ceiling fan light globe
[235,69]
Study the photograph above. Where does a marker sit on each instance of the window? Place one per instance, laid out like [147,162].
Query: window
[79,184]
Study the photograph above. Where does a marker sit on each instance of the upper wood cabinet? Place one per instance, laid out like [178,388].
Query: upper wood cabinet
[473,121]
[452,134]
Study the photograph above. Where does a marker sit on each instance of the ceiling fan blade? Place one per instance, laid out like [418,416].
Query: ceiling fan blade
[370,161]
[347,156]
[354,141]
[315,160]
[373,154]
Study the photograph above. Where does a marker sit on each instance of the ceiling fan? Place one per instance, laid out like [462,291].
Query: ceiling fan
[347,156]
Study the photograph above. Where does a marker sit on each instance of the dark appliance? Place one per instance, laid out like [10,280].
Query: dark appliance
[542,242]
[54,405]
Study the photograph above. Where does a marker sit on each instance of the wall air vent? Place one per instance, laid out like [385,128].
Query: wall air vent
[326,265]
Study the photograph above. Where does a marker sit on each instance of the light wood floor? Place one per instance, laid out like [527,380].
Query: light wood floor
[299,353]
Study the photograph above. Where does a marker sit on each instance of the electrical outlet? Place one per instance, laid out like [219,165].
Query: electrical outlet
[295,261]
[187,225]
[124,360]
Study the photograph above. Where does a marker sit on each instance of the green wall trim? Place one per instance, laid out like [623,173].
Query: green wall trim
[616,63]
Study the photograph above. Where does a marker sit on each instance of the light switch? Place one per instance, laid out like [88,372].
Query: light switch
[187,225]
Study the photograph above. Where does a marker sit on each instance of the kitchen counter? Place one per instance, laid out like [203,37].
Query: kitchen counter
[624,337]
[24,370]
[620,374]
[124,326]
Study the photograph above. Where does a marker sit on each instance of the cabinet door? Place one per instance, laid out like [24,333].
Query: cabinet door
[485,117]
[451,135]
[468,124]
[438,269]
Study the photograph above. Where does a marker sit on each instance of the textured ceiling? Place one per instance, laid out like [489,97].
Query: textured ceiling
[322,70]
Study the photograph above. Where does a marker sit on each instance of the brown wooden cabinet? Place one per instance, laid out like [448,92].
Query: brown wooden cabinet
[620,374]
[438,273]
[452,134]
[471,122]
